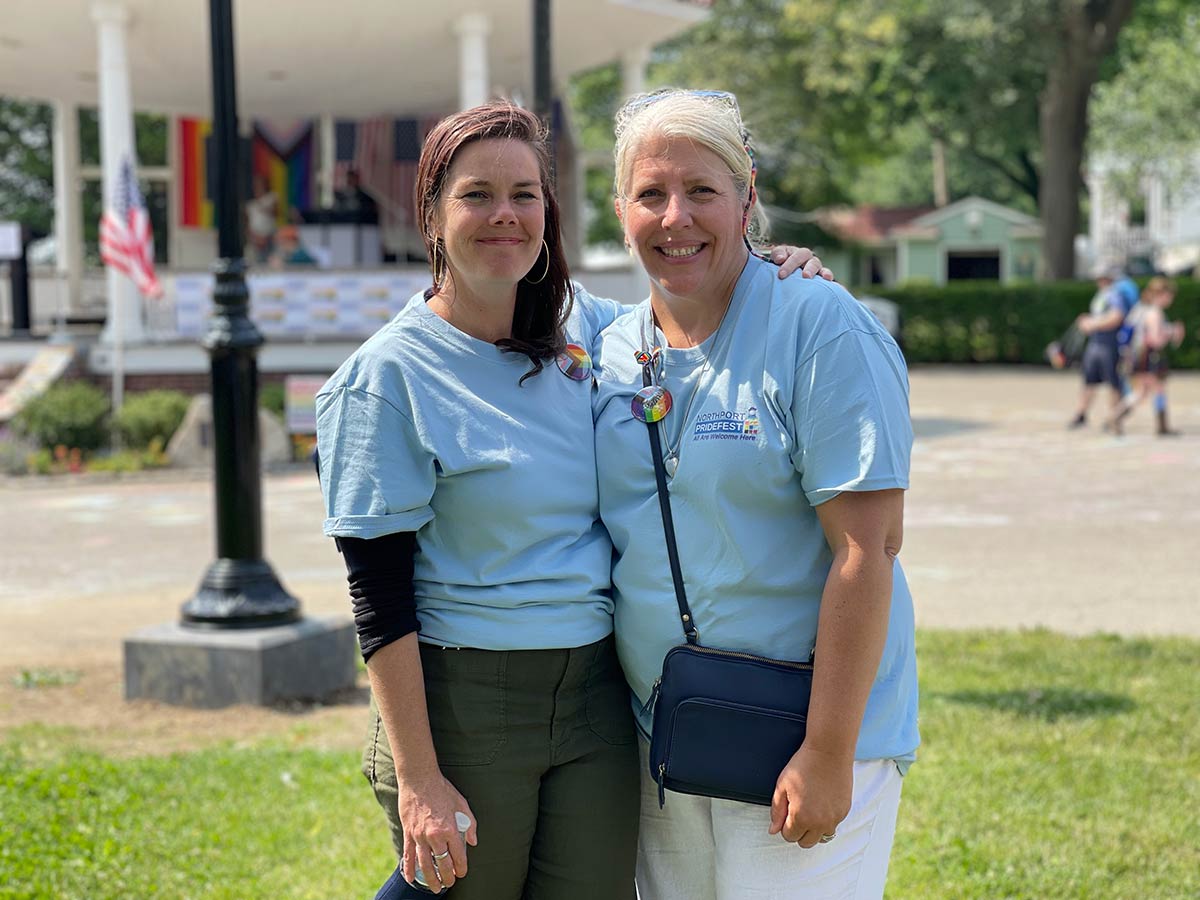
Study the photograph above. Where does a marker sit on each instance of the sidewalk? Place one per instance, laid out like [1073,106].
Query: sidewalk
[1012,521]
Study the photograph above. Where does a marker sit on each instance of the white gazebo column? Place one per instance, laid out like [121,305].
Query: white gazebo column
[68,234]
[1156,211]
[472,31]
[633,70]
[328,142]
[124,323]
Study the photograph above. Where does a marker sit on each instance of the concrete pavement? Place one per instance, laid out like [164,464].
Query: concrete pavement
[1012,521]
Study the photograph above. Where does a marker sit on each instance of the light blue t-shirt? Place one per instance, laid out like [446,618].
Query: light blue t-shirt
[806,395]
[427,429]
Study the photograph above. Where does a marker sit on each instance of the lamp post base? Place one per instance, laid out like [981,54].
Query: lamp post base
[308,660]
[240,593]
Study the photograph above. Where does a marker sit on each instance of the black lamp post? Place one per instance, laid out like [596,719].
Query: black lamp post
[543,88]
[239,589]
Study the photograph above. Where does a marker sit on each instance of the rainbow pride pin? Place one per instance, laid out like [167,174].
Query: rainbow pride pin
[651,404]
[575,363]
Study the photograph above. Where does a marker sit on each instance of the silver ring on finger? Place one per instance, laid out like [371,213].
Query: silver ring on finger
[442,855]
[826,838]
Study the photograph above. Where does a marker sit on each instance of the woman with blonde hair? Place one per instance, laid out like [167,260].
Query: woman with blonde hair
[779,411]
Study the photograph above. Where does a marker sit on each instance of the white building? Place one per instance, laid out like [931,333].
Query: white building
[1156,226]
[304,59]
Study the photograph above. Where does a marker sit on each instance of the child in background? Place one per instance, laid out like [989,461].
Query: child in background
[1152,334]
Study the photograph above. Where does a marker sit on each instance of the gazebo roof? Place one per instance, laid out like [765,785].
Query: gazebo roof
[357,58]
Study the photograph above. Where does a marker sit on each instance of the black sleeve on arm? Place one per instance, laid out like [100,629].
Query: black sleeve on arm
[380,572]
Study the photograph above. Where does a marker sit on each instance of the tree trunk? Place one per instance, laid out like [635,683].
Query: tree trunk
[1063,126]
[1088,34]
[941,192]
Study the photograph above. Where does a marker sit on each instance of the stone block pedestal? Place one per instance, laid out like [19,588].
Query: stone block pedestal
[208,668]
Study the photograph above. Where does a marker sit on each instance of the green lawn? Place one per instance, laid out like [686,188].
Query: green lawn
[233,823]
[1051,767]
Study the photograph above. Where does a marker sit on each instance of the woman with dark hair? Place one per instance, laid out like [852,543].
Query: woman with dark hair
[459,472]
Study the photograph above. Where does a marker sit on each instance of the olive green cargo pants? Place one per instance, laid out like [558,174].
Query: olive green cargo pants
[542,745]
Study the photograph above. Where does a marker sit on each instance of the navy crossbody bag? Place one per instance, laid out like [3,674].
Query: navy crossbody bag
[725,722]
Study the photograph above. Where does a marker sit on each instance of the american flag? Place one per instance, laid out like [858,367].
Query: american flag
[384,152]
[126,242]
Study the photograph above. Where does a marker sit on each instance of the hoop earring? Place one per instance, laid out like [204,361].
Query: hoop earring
[545,271]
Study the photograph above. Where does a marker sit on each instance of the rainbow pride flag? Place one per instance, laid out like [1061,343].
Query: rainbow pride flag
[283,154]
[195,202]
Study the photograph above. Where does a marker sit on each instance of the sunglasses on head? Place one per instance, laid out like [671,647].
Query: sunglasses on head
[662,93]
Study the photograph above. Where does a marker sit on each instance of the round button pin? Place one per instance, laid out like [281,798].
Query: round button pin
[575,363]
[651,404]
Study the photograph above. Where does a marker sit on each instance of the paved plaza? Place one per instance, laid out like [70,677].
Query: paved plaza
[1012,521]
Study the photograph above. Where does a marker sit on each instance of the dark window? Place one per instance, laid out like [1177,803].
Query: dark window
[149,137]
[975,265]
[1137,210]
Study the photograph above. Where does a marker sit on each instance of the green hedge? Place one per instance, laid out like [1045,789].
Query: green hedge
[271,397]
[985,322]
[73,415]
[151,415]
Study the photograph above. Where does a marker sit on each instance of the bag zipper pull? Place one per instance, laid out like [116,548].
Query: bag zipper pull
[649,704]
[662,791]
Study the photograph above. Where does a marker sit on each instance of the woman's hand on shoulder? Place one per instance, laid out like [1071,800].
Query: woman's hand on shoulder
[790,258]
[812,796]
[427,811]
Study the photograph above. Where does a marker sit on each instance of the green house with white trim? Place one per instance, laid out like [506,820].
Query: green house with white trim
[970,239]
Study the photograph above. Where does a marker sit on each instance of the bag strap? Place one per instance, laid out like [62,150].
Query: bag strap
[690,634]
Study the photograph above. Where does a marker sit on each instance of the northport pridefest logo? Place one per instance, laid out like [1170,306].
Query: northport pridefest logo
[727,425]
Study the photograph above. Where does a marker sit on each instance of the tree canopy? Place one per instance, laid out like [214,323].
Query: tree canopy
[1144,119]
[835,88]
[26,164]
[847,97]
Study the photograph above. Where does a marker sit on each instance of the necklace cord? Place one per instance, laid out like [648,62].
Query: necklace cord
[660,357]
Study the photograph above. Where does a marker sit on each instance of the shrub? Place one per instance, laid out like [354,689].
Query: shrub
[14,457]
[40,462]
[986,322]
[271,397]
[73,414]
[152,457]
[149,415]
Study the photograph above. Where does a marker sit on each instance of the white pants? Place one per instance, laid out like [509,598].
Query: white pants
[698,848]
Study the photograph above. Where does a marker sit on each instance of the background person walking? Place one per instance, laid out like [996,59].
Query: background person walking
[1102,324]
[1151,335]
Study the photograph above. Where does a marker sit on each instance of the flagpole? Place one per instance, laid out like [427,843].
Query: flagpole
[118,367]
